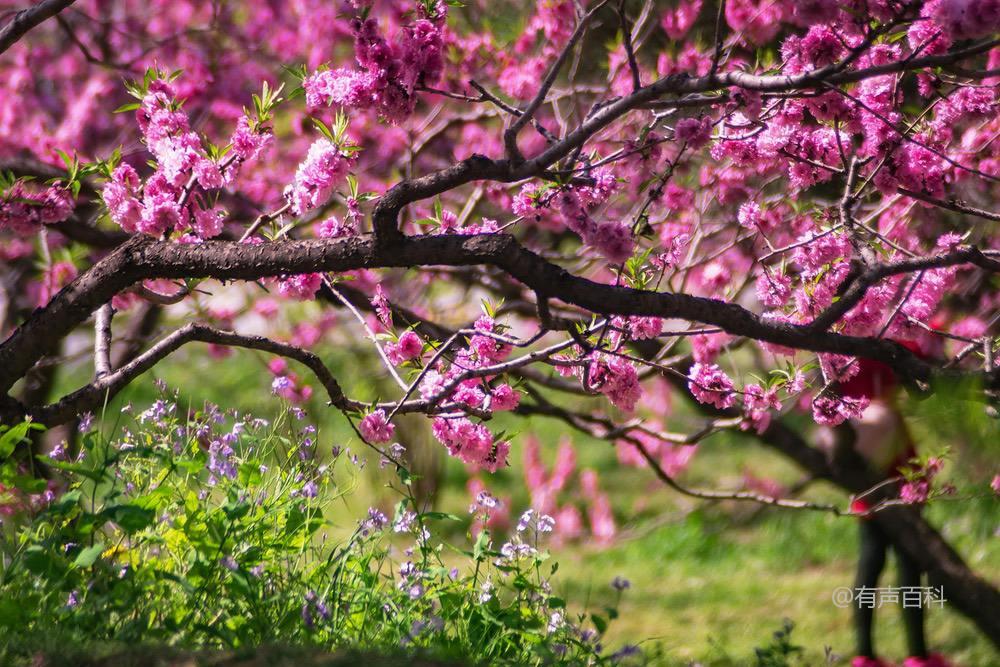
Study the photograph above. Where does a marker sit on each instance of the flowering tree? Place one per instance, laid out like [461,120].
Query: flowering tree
[734,203]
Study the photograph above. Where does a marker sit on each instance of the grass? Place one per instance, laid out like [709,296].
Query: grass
[709,581]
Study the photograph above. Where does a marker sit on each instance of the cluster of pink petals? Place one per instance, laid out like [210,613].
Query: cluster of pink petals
[22,210]
[160,205]
[376,428]
[709,384]
[758,403]
[301,286]
[471,442]
[677,22]
[390,73]
[617,378]
[550,488]
[835,410]
[611,239]
[408,347]
[695,132]
[324,167]
[965,19]
[917,489]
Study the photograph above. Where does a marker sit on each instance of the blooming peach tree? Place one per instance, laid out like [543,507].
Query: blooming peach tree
[515,207]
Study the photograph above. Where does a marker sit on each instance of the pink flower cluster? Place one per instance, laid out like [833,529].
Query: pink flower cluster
[677,22]
[613,240]
[471,442]
[408,347]
[549,488]
[302,286]
[376,428]
[710,384]
[163,203]
[695,132]
[758,403]
[390,73]
[324,167]
[835,410]
[616,378]
[22,210]
[917,489]
[467,440]
[965,19]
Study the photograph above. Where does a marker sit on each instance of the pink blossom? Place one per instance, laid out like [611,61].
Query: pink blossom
[375,428]
[709,384]
[678,21]
[616,378]
[614,241]
[322,170]
[504,397]
[749,215]
[209,174]
[757,21]
[834,410]
[421,54]
[773,288]
[643,328]
[432,385]
[207,223]
[472,443]
[520,79]
[915,492]
[757,404]
[693,131]
[408,347]
[965,19]
[248,144]
[119,196]
[334,228]
[302,286]
[706,347]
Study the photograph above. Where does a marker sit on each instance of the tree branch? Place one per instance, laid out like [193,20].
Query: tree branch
[143,258]
[93,395]
[26,19]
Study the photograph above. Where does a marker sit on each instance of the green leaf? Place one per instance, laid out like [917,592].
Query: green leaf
[131,106]
[131,518]
[89,556]
[441,515]
[29,484]
[600,623]
[236,510]
[66,502]
[479,549]
[75,468]
[38,561]
[12,613]
[10,438]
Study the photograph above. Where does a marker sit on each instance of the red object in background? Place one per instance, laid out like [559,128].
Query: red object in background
[876,380]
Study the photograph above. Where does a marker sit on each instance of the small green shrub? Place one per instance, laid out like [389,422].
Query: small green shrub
[205,529]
